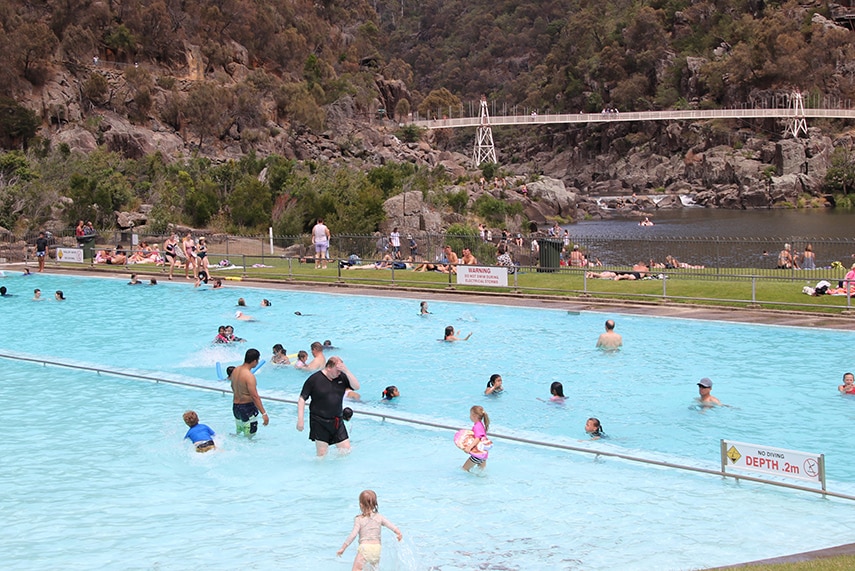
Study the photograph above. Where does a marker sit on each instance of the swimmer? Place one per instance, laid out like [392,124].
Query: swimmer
[37,294]
[368,526]
[610,341]
[494,385]
[302,357]
[328,346]
[318,359]
[230,334]
[221,335]
[27,272]
[265,303]
[848,386]
[279,356]
[246,404]
[391,392]
[218,283]
[451,335]
[481,423]
[423,308]
[201,278]
[705,390]
[556,389]
[200,435]
[134,280]
[3,292]
[152,281]
[594,428]
[241,302]
[243,316]
[59,296]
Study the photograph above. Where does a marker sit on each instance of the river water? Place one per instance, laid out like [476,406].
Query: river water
[721,238]
[706,222]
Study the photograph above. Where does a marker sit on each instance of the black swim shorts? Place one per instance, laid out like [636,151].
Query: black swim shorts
[329,430]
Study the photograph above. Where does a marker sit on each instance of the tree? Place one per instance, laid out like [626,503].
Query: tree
[440,103]
[840,177]
[17,124]
[32,45]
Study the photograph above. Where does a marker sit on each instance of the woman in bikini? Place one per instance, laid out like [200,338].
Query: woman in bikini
[189,247]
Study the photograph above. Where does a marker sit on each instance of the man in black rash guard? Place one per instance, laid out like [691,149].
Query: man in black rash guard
[325,390]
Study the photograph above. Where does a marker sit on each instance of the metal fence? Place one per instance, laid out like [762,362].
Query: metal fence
[749,261]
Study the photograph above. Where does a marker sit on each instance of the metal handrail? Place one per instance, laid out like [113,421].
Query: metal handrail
[384,416]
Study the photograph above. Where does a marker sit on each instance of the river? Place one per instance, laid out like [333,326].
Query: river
[722,238]
[709,222]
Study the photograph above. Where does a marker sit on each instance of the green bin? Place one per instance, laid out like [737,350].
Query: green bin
[88,245]
[550,254]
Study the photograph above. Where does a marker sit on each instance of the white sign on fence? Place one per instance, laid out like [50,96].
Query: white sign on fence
[774,461]
[69,255]
[482,276]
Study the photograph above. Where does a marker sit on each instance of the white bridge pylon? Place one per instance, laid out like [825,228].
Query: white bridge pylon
[485,150]
[796,104]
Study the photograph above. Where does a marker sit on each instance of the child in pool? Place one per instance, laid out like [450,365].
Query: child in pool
[302,357]
[423,308]
[594,428]
[848,386]
[279,356]
[556,389]
[391,392]
[368,525]
[494,385]
[200,435]
[478,453]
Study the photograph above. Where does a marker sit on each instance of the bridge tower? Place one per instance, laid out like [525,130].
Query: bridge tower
[797,125]
[485,151]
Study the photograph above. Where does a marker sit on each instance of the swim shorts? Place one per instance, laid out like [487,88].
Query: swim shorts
[205,446]
[40,254]
[321,247]
[476,460]
[371,552]
[246,418]
[329,430]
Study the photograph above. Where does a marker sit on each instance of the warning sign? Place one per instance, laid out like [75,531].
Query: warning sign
[482,276]
[774,461]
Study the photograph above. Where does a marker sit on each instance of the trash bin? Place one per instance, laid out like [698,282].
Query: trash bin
[88,245]
[550,254]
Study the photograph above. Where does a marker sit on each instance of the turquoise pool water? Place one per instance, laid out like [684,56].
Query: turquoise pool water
[101,476]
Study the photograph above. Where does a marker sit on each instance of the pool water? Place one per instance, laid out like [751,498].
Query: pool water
[101,476]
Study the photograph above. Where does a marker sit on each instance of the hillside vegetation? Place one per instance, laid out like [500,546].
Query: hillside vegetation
[259,76]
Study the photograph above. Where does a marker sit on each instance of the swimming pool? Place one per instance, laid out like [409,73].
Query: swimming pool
[104,479]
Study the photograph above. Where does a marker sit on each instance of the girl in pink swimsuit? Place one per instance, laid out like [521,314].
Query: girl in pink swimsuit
[477,456]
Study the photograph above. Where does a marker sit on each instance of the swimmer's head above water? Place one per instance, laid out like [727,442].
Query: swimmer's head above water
[391,392]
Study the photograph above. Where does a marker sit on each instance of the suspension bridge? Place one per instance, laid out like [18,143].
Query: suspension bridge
[794,114]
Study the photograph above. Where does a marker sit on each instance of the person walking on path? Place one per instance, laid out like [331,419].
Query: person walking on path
[321,241]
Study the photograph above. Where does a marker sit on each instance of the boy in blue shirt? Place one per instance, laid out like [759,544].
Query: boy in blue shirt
[200,435]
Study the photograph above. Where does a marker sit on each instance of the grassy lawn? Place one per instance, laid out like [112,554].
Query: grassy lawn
[722,286]
[839,563]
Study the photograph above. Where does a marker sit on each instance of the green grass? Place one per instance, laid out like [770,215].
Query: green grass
[839,563]
[776,289]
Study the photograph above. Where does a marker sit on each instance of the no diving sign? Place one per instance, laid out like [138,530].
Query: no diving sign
[773,461]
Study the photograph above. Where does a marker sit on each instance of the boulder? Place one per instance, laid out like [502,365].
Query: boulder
[78,139]
[125,220]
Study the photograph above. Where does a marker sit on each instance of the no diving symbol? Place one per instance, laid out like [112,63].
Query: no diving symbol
[811,467]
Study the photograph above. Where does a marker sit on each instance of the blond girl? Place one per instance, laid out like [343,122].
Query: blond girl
[478,455]
[368,525]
